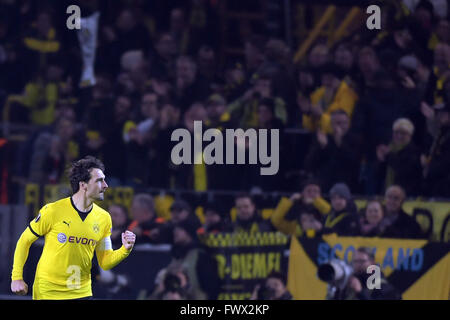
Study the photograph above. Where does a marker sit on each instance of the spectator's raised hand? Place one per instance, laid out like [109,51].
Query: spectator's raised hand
[382,151]
[426,110]
[322,139]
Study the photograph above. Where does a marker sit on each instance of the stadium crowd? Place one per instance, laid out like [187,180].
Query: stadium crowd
[375,108]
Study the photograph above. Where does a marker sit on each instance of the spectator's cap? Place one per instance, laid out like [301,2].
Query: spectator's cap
[403,124]
[216,99]
[442,107]
[342,190]
[408,62]
[180,205]
[189,226]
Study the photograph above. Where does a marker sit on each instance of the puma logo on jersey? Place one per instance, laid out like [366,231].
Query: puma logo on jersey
[68,223]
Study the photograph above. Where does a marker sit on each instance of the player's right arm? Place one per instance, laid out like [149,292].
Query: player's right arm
[38,227]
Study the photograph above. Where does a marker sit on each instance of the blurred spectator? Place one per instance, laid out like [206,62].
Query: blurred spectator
[248,219]
[189,85]
[162,62]
[396,222]
[335,157]
[41,43]
[163,173]
[216,108]
[217,219]
[254,54]
[272,288]
[440,72]
[53,151]
[133,79]
[343,58]
[356,288]
[200,267]
[120,222]
[114,149]
[343,218]
[310,222]
[170,282]
[401,158]
[370,221]
[373,119]
[138,136]
[37,105]
[146,225]
[285,217]
[368,66]
[181,211]
[207,63]
[317,58]
[333,94]
[244,110]
[126,34]
[435,164]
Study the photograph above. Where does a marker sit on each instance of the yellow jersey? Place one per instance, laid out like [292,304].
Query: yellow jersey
[71,237]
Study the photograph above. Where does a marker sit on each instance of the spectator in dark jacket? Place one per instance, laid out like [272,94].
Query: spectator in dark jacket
[146,225]
[334,158]
[272,288]
[181,211]
[356,287]
[200,267]
[436,165]
[286,217]
[217,219]
[248,218]
[369,224]
[343,218]
[397,223]
[400,160]
[373,119]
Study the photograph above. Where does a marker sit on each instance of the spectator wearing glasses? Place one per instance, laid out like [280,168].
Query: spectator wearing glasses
[400,160]
[397,223]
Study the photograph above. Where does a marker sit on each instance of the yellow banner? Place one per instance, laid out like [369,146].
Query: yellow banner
[418,269]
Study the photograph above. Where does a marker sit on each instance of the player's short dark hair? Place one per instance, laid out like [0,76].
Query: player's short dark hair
[80,171]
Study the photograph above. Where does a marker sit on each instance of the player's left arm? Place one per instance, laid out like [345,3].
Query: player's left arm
[109,258]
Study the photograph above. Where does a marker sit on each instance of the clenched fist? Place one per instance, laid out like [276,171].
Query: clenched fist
[19,287]
[128,239]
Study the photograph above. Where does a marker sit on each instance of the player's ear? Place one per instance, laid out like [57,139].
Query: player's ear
[83,185]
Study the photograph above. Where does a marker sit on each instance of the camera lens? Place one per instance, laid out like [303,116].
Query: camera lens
[326,272]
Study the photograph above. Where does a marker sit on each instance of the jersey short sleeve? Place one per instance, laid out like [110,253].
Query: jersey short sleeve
[42,224]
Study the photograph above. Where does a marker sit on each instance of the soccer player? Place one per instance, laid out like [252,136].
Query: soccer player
[73,228]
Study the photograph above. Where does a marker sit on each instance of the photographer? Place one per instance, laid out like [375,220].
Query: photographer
[272,288]
[350,282]
[171,281]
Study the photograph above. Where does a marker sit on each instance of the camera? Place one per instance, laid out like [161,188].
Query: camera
[172,282]
[265,293]
[335,272]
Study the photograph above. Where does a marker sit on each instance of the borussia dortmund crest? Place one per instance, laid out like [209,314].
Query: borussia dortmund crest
[96,228]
